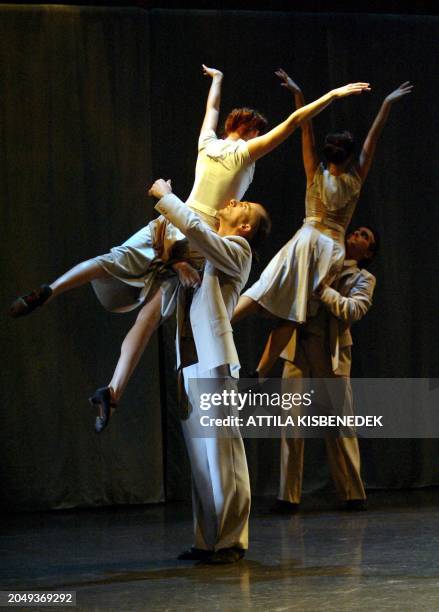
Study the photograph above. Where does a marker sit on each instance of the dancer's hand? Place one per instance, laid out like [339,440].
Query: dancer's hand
[351,89]
[402,91]
[287,81]
[187,275]
[160,188]
[212,72]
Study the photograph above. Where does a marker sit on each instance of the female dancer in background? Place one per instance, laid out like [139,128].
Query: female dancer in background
[315,253]
[224,171]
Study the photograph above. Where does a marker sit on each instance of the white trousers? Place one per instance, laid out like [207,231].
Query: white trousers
[220,481]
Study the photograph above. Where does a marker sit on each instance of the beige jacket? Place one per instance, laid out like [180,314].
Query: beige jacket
[228,263]
[347,303]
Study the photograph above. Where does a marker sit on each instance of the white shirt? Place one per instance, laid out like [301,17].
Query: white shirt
[223,172]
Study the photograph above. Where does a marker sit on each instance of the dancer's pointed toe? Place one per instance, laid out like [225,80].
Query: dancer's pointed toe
[103,399]
[25,304]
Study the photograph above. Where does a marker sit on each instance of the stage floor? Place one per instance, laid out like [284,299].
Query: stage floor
[320,559]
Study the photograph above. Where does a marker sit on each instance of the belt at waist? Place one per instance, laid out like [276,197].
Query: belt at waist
[207,210]
[326,222]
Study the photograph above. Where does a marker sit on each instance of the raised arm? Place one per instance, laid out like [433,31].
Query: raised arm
[231,255]
[369,146]
[309,154]
[211,115]
[261,145]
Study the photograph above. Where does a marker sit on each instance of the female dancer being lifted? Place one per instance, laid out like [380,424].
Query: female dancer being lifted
[315,253]
[223,172]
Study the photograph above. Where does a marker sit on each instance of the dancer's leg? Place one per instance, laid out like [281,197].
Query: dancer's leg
[77,276]
[135,343]
[245,307]
[277,341]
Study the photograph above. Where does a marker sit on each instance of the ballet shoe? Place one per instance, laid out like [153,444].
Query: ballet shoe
[25,304]
[102,398]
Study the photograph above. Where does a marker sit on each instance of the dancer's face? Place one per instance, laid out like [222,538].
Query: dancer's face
[241,216]
[359,244]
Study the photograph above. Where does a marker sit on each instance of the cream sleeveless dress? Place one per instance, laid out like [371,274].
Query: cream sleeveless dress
[224,171]
[315,253]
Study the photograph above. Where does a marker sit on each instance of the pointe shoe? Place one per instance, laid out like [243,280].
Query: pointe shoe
[102,398]
[26,304]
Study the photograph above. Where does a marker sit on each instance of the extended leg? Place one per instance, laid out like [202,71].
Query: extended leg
[79,275]
[135,343]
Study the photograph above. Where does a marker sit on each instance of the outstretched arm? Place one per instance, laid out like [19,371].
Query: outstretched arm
[260,146]
[309,154]
[211,115]
[369,146]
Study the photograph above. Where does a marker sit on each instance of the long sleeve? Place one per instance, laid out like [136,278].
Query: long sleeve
[354,306]
[231,255]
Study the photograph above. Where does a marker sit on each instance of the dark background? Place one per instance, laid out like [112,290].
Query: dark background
[95,103]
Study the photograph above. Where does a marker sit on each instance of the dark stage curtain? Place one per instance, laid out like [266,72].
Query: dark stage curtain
[96,102]
[75,160]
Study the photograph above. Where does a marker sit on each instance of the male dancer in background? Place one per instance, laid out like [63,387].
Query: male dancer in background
[322,349]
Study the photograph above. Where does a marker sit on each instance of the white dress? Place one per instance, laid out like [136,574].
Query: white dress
[315,253]
[224,171]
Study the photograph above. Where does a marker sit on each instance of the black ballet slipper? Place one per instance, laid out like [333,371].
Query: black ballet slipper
[102,398]
[26,304]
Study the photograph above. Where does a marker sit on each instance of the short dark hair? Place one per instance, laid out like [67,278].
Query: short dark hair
[374,247]
[261,233]
[245,118]
[338,146]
